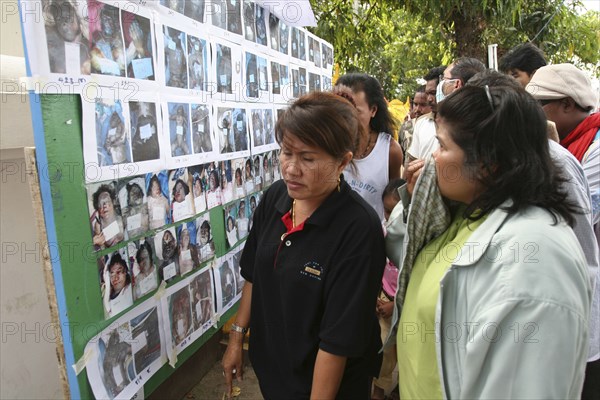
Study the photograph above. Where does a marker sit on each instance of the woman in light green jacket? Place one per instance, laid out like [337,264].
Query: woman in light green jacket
[493,294]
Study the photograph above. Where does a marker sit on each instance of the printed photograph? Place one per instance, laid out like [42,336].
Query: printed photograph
[194,9]
[105,215]
[204,238]
[263,83]
[302,80]
[115,282]
[258,175]
[238,178]
[144,131]
[251,83]
[242,223]
[165,243]
[274,32]
[224,69]
[267,170]
[275,88]
[182,202]
[314,82]
[181,315]
[179,129]
[201,136]
[199,182]
[214,197]
[239,280]
[234,16]
[67,38]
[107,54]
[145,334]
[253,201]
[202,299]
[302,45]
[175,58]
[249,175]
[261,26]
[219,13]
[197,63]
[284,38]
[249,17]
[187,247]
[226,181]
[116,367]
[227,280]
[143,260]
[175,5]
[134,206]
[138,46]
[232,128]
[157,189]
[231,233]
[112,136]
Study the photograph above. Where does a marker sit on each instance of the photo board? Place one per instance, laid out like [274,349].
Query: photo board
[154,132]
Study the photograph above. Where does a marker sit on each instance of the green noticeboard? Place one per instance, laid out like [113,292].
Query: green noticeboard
[61,170]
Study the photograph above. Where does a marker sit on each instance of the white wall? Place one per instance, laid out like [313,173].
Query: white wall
[28,363]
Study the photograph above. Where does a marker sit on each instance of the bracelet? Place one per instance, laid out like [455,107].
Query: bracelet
[238,329]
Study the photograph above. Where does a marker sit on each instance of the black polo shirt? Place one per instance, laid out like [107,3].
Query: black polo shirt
[315,287]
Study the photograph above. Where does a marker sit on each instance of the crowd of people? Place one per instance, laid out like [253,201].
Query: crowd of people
[460,261]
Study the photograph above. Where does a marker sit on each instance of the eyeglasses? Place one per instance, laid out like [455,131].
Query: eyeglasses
[442,78]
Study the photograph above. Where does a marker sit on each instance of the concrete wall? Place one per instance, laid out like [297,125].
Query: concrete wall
[28,363]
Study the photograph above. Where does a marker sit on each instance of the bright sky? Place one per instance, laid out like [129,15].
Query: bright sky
[593,5]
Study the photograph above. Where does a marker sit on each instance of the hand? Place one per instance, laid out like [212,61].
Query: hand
[232,361]
[385,309]
[99,240]
[413,170]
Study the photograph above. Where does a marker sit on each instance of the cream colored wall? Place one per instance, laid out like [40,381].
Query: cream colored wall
[28,363]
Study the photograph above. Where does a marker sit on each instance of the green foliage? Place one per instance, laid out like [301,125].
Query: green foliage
[399,41]
[384,41]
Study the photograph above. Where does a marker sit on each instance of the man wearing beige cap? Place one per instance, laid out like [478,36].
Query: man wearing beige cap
[567,97]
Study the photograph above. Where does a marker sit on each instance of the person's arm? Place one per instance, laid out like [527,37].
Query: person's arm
[327,375]
[396,160]
[232,359]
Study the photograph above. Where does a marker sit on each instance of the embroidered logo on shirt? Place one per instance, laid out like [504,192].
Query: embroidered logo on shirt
[312,269]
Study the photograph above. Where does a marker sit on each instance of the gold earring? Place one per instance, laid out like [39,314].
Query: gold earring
[339,183]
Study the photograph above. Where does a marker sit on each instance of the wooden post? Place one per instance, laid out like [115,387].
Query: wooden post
[38,212]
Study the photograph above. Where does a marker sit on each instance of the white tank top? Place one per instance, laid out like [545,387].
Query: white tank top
[372,173]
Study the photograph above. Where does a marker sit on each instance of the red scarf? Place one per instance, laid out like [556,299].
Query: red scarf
[580,138]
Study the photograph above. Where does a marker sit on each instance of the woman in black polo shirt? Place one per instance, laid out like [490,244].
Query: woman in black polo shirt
[313,264]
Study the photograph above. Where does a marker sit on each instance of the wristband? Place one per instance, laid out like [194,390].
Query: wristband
[239,329]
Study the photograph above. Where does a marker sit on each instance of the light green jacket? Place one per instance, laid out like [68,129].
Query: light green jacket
[512,313]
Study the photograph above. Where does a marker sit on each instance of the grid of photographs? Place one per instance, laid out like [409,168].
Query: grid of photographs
[163,218]
[179,104]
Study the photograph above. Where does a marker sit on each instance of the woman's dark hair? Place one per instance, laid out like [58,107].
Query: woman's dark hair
[324,120]
[229,218]
[358,82]
[186,188]
[103,189]
[502,131]
[148,248]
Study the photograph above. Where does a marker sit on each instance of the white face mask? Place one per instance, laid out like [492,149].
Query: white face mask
[439,92]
